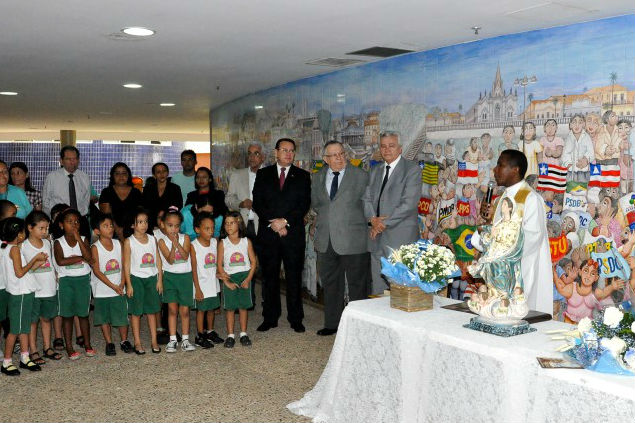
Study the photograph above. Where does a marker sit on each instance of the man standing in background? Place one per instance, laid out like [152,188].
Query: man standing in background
[185,179]
[241,184]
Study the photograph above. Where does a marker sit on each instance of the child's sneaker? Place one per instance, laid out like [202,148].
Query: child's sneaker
[110,349]
[90,352]
[213,336]
[186,346]
[171,347]
[229,342]
[245,341]
[203,342]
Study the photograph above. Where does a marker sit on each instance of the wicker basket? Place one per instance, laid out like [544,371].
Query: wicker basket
[408,298]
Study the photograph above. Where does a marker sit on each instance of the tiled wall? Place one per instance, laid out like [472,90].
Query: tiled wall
[96,159]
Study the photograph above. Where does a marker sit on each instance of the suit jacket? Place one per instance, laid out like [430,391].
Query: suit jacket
[238,191]
[398,202]
[341,219]
[291,203]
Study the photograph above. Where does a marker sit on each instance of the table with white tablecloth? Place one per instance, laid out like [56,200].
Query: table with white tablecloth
[388,365]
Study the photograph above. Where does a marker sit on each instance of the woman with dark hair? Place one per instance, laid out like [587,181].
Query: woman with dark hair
[160,194]
[119,198]
[204,187]
[19,177]
[13,194]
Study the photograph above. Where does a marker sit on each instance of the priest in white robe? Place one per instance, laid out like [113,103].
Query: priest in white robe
[536,266]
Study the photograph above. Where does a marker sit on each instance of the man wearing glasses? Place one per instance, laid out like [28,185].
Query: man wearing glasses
[241,184]
[341,233]
[282,196]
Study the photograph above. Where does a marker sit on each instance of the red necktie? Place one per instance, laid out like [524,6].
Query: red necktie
[282,178]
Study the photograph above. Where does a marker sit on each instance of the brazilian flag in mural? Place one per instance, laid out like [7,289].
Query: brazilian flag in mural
[461,239]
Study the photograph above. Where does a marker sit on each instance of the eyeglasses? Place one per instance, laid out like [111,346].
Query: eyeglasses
[286,150]
[254,153]
[336,155]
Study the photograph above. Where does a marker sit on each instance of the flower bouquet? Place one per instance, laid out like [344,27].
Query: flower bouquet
[605,344]
[416,271]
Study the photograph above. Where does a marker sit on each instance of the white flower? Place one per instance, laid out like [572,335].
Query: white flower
[616,345]
[584,325]
[633,327]
[612,317]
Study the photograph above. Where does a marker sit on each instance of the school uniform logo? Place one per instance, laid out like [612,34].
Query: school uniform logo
[178,258]
[112,266]
[236,259]
[44,268]
[210,261]
[147,260]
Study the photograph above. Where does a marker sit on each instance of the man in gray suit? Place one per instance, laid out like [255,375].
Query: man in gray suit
[340,233]
[390,204]
[241,183]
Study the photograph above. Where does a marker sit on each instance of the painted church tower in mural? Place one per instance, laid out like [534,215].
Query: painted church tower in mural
[495,106]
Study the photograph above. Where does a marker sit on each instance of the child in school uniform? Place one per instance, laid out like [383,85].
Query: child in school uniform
[206,287]
[111,307]
[20,287]
[45,305]
[178,286]
[236,267]
[73,259]
[144,280]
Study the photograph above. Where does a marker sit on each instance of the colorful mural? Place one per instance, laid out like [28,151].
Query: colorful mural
[565,96]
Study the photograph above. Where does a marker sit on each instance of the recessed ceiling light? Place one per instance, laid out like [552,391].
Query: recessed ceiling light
[258,107]
[8,93]
[132,85]
[138,31]
[167,104]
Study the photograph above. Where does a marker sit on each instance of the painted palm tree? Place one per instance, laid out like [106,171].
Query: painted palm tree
[613,77]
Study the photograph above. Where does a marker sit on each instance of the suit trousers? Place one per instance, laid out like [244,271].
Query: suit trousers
[270,256]
[379,281]
[336,269]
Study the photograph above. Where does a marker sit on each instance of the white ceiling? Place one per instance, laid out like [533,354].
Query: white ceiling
[58,56]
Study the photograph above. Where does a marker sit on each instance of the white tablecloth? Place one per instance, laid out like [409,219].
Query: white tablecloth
[388,365]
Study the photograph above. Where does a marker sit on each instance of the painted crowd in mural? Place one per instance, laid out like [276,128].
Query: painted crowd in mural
[564,96]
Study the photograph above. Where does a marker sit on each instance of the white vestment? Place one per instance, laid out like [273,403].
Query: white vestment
[536,258]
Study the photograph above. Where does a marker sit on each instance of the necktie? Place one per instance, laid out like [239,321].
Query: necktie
[383,184]
[72,194]
[334,185]
[282,177]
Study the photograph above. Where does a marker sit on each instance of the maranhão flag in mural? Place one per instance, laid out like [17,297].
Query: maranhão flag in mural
[552,178]
[604,176]
[467,173]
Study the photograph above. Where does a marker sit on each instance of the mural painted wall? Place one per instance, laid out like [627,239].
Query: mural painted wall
[564,96]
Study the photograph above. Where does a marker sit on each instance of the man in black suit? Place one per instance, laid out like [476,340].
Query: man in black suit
[281,198]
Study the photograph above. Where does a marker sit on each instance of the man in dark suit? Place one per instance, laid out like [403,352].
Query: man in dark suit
[390,204]
[282,196]
[341,233]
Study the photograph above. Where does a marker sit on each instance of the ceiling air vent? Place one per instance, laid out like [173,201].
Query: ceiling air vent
[334,62]
[380,52]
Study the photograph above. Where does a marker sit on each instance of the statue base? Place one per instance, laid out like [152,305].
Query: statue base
[505,329]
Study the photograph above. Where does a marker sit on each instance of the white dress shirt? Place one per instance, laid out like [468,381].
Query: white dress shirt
[55,190]
[392,165]
[286,171]
[330,176]
[252,181]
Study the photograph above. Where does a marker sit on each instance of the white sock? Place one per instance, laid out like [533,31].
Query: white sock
[172,338]
[185,337]
[231,335]
[243,334]
[24,357]
[160,329]
[6,362]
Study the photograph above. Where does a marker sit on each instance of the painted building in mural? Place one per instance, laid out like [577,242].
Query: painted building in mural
[456,109]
